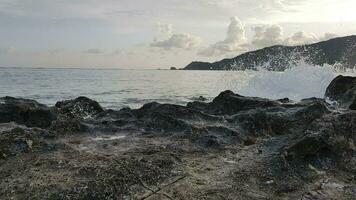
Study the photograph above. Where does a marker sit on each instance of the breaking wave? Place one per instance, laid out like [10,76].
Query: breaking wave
[296,83]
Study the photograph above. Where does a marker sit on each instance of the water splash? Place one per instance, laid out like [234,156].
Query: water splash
[296,82]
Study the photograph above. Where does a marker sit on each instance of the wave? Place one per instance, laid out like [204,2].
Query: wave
[297,82]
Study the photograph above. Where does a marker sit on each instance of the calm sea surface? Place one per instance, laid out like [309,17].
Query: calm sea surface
[133,88]
[112,88]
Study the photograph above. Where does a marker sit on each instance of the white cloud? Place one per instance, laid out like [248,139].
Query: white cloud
[267,35]
[179,41]
[328,36]
[95,51]
[301,38]
[165,38]
[119,24]
[8,50]
[163,31]
[234,41]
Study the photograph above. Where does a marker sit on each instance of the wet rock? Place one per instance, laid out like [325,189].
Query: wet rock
[200,98]
[330,138]
[309,145]
[279,120]
[343,90]
[353,105]
[73,115]
[81,107]
[229,148]
[16,139]
[68,126]
[215,137]
[26,112]
[228,103]
[285,100]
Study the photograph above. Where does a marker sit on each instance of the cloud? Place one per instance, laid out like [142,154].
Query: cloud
[328,36]
[163,31]
[267,35]
[8,50]
[120,24]
[165,38]
[301,38]
[234,41]
[179,41]
[95,51]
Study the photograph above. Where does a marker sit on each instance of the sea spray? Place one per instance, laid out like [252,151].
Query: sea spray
[296,82]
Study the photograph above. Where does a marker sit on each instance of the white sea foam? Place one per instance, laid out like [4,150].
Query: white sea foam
[108,138]
[296,83]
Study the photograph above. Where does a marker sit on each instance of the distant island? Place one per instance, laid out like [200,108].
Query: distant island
[277,58]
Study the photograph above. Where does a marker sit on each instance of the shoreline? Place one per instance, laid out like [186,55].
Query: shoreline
[234,147]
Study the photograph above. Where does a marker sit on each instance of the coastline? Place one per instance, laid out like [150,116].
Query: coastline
[232,147]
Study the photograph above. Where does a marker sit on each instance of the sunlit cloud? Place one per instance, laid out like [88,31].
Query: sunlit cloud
[175,31]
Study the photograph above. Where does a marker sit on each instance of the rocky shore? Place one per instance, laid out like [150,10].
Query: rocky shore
[234,147]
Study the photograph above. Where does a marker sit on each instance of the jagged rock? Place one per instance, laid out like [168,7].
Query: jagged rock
[27,112]
[81,107]
[228,103]
[309,145]
[330,137]
[279,120]
[234,147]
[68,126]
[73,114]
[16,139]
[343,90]
[353,105]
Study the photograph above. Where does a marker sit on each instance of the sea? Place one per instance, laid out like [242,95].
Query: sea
[119,88]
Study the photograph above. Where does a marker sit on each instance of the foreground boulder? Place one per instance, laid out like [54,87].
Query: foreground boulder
[26,112]
[73,114]
[17,139]
[230,103]
[343,90]
[81,107]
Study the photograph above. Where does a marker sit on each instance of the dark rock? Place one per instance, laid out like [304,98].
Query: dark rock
[260,148]
[68,126]
[353,105]
[27,112]
[309,145]
[81,107]
[339,86]
[329,138]
[209,141]
[285,100]
[343,90]
[16,139]
[228,103]
[200,98]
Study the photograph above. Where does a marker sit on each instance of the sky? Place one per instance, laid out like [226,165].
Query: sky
[151,34]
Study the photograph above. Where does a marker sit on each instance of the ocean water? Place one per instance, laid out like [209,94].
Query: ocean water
[133,88]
